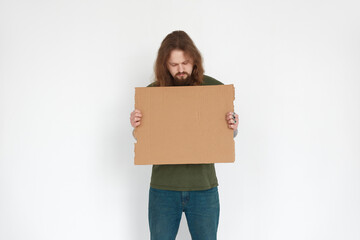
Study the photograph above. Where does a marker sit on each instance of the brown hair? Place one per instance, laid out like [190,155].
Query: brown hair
[181,41]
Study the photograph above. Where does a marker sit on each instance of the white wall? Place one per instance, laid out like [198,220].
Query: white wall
[67,75]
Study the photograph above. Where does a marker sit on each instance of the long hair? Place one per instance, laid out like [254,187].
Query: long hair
[177,40]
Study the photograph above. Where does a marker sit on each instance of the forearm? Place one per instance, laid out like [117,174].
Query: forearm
[235,133]
[133,133]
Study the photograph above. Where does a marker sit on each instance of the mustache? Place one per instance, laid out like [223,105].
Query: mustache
[181,73]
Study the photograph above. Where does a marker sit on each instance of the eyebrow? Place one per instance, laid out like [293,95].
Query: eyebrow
[186,61]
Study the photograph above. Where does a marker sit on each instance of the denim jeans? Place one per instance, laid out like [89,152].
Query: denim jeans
[201,209]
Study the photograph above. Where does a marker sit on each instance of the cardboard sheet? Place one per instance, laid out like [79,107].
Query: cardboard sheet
[184,125]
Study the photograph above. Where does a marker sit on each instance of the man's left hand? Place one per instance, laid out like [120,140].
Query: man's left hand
[232,120]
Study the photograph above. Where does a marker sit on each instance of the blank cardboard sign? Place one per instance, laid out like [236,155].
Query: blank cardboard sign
[184,125]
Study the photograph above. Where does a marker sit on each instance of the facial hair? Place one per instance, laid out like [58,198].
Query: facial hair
[181,81]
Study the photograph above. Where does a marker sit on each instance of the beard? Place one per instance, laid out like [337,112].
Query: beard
[182,79]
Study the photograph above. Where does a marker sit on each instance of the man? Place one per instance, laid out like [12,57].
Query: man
[189,188]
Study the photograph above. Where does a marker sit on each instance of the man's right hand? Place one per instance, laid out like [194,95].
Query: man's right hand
[135,118]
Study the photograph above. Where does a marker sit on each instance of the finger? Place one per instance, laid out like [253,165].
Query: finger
[135,121]
[235,117]
[236,124]
[135,116]
[236,120]
[233,123]
[136,111]
[230,116]
[135,124]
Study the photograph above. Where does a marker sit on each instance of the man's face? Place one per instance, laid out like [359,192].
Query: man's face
[180,66]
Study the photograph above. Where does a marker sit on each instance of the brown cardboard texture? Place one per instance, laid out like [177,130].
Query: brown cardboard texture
[184,125]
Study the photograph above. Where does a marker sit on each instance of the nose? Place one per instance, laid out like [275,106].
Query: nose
[181,68]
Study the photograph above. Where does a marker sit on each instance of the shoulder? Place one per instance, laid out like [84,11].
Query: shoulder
[151,85]
[211,81]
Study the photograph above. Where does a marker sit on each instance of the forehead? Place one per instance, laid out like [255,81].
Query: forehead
[177,55]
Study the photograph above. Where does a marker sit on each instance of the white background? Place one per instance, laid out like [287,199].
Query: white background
[67,75]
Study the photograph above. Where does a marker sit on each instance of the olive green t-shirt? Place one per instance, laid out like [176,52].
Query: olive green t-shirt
[185,177]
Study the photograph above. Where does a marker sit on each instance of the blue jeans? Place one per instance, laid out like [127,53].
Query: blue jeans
[201,210]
